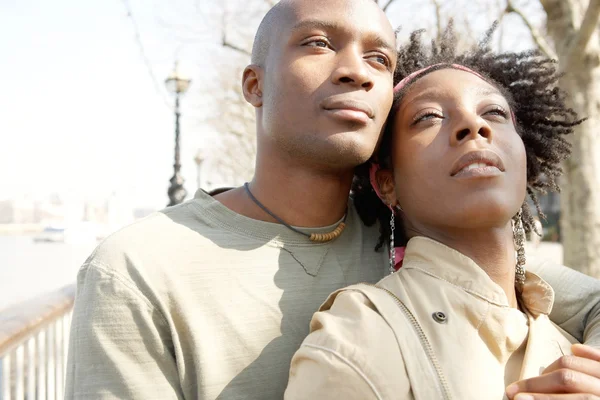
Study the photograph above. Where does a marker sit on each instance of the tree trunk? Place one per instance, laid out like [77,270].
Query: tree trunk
[580,198]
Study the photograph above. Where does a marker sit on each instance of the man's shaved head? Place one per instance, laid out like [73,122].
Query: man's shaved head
[277,15]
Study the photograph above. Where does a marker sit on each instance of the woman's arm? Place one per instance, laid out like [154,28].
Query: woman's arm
[322,373]
[351,353]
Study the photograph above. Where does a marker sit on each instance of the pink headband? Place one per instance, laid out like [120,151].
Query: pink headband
[410,77]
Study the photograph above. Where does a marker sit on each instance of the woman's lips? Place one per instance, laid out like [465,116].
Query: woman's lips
[478,170]
[479,163]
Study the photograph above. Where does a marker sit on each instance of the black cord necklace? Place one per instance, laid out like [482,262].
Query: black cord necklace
[314,237]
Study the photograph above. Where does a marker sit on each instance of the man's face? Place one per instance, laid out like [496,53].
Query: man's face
[327,87]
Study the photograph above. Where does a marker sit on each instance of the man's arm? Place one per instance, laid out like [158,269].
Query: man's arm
[120,347]
[577,300]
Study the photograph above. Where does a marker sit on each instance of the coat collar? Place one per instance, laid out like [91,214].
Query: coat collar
[447,264]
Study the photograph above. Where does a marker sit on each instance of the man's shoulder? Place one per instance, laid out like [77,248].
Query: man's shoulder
[162,241]
[164,227]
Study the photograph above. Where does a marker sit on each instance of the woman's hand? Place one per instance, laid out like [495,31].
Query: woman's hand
[572,377]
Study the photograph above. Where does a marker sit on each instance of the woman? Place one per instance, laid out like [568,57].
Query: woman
[469,137]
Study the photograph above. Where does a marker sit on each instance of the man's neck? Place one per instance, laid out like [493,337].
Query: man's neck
[298,195]
[492,250]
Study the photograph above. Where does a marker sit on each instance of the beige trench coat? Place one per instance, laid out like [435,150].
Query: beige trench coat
[439,328]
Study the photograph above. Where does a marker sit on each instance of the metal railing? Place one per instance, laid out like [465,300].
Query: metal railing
[34,338]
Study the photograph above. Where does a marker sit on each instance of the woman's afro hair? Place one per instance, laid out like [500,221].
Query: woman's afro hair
[530,83]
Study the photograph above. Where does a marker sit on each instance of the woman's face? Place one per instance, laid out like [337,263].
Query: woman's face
[458,161]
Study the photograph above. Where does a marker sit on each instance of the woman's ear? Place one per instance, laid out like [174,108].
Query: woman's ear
[252,85]
[387,188]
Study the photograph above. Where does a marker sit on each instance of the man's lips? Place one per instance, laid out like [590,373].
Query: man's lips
[348,107]
[480,163]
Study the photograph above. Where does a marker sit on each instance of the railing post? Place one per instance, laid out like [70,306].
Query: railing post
[19,373]
[66,335]
[58,359]
[30,359]
[41,365]
[5,378]
[50,371]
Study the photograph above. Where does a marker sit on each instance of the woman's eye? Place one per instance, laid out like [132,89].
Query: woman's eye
[498,111]
[428,116]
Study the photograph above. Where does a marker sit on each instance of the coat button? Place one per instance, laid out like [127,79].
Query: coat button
[439,317]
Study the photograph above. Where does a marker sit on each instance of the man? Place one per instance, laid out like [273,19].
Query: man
[210,299]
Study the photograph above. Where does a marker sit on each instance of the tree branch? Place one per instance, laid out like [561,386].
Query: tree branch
[228,44]
[389,3]
[586,30]
[502,14]
[538,38]
[561,10]
[438,17]
[232,46]
[499,20]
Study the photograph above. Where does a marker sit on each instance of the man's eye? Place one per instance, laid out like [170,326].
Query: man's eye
[318,43]
[383,60]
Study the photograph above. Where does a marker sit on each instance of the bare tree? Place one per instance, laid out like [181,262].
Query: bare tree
[570,36]
[233,162]
[385,4]
[235,123]
[572,27]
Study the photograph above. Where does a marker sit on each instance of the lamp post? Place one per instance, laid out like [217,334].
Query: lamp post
[177,85]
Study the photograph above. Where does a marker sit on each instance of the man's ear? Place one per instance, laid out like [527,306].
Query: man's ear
[387,188]
[252,81]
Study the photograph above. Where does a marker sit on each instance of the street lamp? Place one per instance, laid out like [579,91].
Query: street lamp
[177,85]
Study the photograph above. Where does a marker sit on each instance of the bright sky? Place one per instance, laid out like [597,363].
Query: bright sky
[79,112]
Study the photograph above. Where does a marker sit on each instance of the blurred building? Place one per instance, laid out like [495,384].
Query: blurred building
[27,210]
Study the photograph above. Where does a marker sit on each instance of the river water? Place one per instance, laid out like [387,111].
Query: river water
[28,269]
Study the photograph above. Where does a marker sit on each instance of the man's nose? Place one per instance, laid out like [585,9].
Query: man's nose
[352,69]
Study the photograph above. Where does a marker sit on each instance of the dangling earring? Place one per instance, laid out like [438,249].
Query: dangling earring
[519,238]
[392,247]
